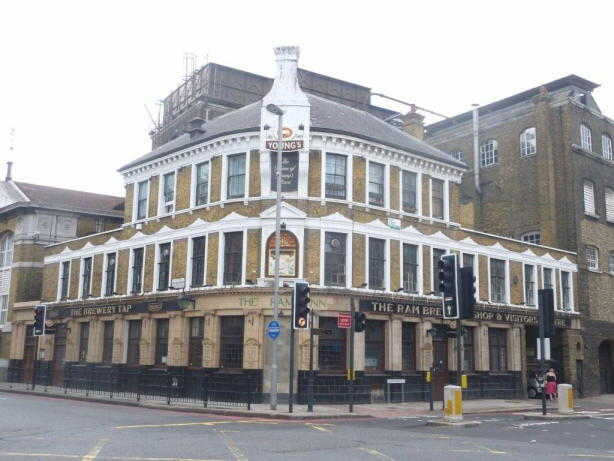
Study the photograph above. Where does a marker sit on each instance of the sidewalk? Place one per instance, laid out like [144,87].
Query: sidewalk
[374,410]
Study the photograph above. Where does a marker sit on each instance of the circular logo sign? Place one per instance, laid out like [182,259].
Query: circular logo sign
[273,329]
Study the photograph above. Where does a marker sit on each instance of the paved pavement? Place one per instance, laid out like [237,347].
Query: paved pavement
[375,410]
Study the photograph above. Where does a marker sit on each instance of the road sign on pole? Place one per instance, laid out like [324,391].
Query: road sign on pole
[273,329]
[344,320]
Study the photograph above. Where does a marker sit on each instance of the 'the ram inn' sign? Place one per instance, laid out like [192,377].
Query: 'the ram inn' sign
[480,313]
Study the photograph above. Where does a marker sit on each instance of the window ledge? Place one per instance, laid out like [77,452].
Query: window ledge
[529,155]
[594,271]
[591,215]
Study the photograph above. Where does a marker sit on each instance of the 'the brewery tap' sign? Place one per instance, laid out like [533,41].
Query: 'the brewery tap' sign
[378,306]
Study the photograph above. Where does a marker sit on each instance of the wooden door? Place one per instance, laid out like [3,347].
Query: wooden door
[440,361]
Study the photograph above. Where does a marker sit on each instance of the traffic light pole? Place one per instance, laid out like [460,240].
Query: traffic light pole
[310,385]
[459,350]
[34,364]
[291,381]
[351,377]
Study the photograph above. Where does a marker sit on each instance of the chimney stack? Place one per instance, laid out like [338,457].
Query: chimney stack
[413,123]
[9,168]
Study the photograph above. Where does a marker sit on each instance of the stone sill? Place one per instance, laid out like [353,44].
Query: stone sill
[591,215]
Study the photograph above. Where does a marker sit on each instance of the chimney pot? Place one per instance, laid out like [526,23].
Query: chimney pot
[9,168]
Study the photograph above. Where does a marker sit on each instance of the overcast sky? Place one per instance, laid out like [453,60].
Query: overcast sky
[75,76]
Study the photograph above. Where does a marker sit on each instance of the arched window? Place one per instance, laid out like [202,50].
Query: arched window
[288,255]
[586,140]
[528,144]
[606,146]
[489,153]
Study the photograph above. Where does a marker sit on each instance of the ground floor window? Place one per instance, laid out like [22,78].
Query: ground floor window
[59,346]
[134,342]
[374,345]
[468,349]
[84,335]
[331,350]
[408,347]
[497,343]
[231,347]
[195,353]
[107,342]
[161,341]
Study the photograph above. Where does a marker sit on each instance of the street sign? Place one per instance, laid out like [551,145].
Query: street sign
[273,329]
[546,347]
[344,320]
[322,331]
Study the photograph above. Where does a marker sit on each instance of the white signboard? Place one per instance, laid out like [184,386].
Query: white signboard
[546,347]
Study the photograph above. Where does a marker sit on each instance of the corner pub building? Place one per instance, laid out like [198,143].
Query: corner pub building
[367,212]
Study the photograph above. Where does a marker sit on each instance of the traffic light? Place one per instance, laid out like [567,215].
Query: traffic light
[40,313]
[300,311]
[448,286]
[360,322]
[545,299]
[467,292]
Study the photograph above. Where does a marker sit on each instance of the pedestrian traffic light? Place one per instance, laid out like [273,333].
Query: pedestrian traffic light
[360,322]
[545,300]
[448,286]
[467,292]
[300,311]
[40,313]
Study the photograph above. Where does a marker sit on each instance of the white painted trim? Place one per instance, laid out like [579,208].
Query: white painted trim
[59,293]
[155,287]
[135,202]
[162,205]
[524,286]
[506,282]
[221,256]
[193,185]
[80,292]
[130,270]
[572,307]
[103,286]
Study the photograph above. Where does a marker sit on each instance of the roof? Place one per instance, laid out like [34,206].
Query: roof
[54,197]
[570,80]
[326,116]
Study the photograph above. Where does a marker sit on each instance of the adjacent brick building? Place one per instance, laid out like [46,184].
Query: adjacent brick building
[367,212]
[32,217]
[546,175]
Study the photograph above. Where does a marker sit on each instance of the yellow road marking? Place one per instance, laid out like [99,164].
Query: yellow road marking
[206,423]
[492,452]
[231,446]
[317,427]
[376,453]
[95,450]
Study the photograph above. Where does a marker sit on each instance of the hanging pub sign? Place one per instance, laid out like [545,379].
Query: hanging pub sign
[289,171]
[417,309]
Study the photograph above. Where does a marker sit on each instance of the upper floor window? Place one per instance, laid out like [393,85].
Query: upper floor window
[137,270]
[99,225]
[497,280]
[202,184]
[164,265]
[592,258]
[606,146]
[334,259]
[110,275]
[410,268]
[233,257]
[4,309]
[529,285]
[548,280]
[609,204]
[408,191]
[457,154]
[168,193]
[6,250]
[566,291]
[437,198]
[589,198]
[586,138]
[141,201]
[528,143]
[489,153]
[377,263]
[64,280]
[376,184]
[335,176]
[236,176]
[199,246]
[86,278]
[532,237]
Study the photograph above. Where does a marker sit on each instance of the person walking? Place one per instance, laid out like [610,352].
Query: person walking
[550,384]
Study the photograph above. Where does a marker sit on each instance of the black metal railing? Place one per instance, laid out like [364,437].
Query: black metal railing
[203,387]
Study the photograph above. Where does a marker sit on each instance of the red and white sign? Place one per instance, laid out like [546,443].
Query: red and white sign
[344,320]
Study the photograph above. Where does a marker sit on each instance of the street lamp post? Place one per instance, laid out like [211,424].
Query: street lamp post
[273,109]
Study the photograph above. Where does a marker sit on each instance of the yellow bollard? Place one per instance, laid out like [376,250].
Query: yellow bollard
[454,403]
[464,381]
[428,376]
[565,398]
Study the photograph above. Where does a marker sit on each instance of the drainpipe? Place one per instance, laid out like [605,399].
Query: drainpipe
[476,148]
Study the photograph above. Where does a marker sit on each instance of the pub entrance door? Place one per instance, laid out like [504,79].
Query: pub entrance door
[440,361]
